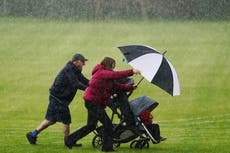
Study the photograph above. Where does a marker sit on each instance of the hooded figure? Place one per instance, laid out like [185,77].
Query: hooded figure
[97,95]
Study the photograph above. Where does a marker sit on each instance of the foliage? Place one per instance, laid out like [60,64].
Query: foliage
[33,51]
[118,9]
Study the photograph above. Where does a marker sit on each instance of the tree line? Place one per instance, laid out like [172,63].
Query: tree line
[117,9]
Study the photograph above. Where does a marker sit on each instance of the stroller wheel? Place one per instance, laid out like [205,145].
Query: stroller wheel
[139,144]
[145,143]
[116,144]
[97,141]
[136,144]
[133,143]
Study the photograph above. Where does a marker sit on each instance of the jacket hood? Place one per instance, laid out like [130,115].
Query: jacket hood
[97,68]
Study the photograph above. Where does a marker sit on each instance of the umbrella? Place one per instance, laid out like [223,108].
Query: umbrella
[154,67]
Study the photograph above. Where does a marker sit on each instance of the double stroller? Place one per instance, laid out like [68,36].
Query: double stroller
[123,131]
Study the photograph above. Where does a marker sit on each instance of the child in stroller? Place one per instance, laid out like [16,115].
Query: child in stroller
[130,126]
[147,118]
[142,108]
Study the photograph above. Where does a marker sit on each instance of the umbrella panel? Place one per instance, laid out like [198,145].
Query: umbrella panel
[148,64]
[133,51]
[164,78]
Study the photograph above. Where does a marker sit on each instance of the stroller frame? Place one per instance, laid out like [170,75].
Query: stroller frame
[120,128]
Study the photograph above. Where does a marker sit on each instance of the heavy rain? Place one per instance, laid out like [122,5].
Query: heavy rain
[182,48]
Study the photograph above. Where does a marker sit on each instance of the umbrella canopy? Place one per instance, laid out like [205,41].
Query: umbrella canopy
[154,67]
[142,103]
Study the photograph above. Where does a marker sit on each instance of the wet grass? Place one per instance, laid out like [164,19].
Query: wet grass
[33,51]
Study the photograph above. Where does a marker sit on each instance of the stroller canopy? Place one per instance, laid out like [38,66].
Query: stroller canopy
[142,103]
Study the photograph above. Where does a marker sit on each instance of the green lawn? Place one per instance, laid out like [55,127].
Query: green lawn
[33,51]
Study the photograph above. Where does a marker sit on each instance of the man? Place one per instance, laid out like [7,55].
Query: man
[97,95]
[62,92]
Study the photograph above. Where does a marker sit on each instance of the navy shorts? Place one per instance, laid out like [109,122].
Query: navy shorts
[57,112]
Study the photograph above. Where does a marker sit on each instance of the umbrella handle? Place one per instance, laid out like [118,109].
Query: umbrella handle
[140,81]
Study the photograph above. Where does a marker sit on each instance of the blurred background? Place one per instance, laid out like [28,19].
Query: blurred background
[118,9]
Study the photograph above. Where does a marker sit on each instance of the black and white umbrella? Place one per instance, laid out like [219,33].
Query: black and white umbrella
[154,67]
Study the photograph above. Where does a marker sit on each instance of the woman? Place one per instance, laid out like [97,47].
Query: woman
[101,86]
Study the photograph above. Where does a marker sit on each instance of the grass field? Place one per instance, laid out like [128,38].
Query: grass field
[33,51]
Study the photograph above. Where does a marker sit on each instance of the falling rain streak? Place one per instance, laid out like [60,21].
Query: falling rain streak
[118,9]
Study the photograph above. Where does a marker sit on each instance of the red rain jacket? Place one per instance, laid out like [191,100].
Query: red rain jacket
[103,83]
[146,117]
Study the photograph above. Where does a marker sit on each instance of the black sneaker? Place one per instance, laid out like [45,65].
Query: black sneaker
[68,142]
[30,138]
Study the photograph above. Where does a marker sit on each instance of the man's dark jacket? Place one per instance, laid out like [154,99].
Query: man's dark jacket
[67,82]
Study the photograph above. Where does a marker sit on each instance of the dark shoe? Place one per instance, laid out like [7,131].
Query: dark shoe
[30,138]
[68,142]
[108,150]
[162,138]
[77,145]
